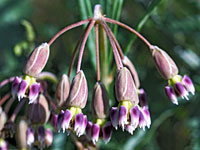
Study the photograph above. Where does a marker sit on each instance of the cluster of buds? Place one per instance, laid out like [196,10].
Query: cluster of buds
[70,99]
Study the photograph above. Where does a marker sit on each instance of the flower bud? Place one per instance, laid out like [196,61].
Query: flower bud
[62,91]
[100,101]
[37,60]
[124,86]
[38,112]
[127,63]
[3,118]
[164,63]
[78,91]
[21,134]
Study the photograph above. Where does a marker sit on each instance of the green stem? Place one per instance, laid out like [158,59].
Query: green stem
[104,65]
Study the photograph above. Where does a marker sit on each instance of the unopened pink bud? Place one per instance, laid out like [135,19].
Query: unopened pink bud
[78,91]
[124,86]
[37,60]
[62,91]
[100,101]
[127,63]
[164,63]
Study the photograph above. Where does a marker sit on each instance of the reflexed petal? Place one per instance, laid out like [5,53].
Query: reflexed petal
[171,94]
[30,136]
[107,132]
[66,120]
[143,98]
[89,129]
[41,135]
[147,116]
[22,89]
[15,86]
[181,90]
[187,82]
[55,121]
[48,137]
[142,121]
[95,133]
[60,120]
[3,144]
[130,128]
[114,117]
[135,115]
[80,124]
[33,92]
[123,116]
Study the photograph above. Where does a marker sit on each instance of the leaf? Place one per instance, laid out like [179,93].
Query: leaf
[139,26]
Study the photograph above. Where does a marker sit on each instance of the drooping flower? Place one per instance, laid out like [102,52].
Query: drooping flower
[132,111]
[177,86]
[27,86]
[100,108]
[73,117]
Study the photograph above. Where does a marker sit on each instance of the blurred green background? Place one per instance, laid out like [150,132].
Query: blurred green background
[173,25]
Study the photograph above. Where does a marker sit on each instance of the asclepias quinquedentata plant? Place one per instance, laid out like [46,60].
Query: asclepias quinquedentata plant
[65,113]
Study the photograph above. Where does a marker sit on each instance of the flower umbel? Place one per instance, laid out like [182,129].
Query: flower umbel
[131,111]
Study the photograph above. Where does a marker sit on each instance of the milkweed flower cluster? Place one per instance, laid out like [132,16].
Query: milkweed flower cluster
[66,113]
